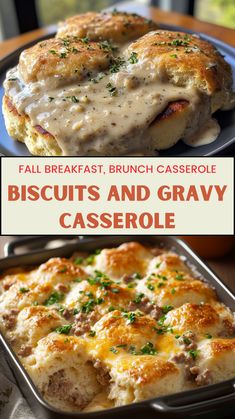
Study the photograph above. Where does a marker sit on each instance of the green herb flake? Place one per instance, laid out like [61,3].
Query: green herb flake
[138,298]
[208,336]
[186,340]
[194,353]
[111,308]
[173,291]
[177,336]
[50,98]
[78,261]
[133,59]
[23,290]
[174,56]
[52,51]
[148,349]
[54,298]
[150,287]
[112,89]
[84,40]
[64,330]
[131,317]
[167,308]
[179,277]
[63,269]
[92,333]
[74,99]
[113,350]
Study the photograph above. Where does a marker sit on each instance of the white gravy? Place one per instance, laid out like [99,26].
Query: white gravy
[108,117]
[205,135]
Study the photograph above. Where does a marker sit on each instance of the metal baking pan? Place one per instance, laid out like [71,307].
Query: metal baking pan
[213,401]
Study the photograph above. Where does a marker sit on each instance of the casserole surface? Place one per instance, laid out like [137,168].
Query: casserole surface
[135,322]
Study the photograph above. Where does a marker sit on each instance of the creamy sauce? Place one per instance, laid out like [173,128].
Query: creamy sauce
[108,116]
[205,135]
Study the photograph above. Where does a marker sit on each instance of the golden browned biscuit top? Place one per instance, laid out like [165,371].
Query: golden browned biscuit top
[71,58]
[183,59]
[116,26]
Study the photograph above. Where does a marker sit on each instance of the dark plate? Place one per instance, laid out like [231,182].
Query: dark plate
[224,142]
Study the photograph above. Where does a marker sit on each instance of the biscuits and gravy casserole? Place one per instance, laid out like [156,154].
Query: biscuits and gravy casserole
[116,326]
[115,84]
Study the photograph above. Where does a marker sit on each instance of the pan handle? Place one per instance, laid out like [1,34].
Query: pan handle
[35,242]
[196,407]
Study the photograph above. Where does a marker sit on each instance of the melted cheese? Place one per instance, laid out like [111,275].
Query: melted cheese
[116,327]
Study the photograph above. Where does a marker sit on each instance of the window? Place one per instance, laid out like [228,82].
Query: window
[221,12]
[54,10]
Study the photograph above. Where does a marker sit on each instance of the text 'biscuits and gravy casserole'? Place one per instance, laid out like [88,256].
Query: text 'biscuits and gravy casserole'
[116,327]
[114,84]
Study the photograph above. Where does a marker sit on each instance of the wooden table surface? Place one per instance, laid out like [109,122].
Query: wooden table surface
[224,267]
[172,18]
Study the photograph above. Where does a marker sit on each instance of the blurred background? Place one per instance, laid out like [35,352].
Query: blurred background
[19,16]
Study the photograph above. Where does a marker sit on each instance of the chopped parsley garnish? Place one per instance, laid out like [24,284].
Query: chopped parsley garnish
[118,63]
[78,261]
[208,336]
[64,329]
[133,59]
[114,350]
[186,340]
[173,291]
[177,336]
[112,89]
[92,333]
[122,345]
[131,285]
[161,320]
[77,280]
[54,298]
[63,55]
[23,290]
[115,290]
[75,311]
[111,308]
[166,309]
[158,265]
[136,275]
[131,317]
[163,277]
[63,269]
[74,99]
[138,298]
[84,40]
[179,277]
[174,56]
[106,46]
[89,305]
[160,284]
[52,51]
[150,287]
[148,349]
[194,353]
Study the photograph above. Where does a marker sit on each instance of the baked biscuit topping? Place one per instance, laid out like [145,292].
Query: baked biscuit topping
[116,326]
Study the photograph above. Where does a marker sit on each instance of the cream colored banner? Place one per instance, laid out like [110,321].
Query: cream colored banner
[117,195]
